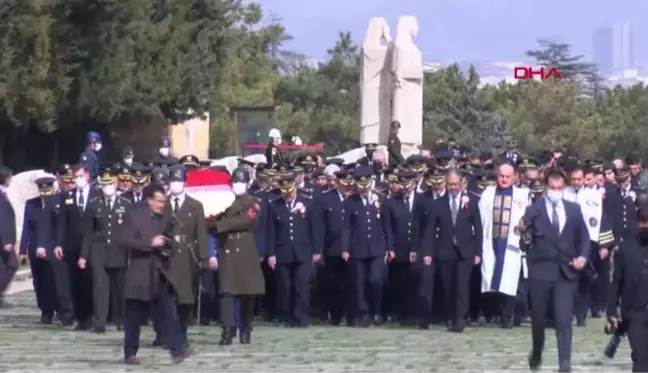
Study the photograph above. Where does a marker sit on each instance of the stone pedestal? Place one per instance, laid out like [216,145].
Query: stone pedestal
[191,137]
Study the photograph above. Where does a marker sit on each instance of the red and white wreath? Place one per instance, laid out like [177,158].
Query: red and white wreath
[464,202]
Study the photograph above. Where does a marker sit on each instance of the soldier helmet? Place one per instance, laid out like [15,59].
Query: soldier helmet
[160,175]
[395,124]
[165,142]
[178,173]
[190,161]
[240,175]
[93,137]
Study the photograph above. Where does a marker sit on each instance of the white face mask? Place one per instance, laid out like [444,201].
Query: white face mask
[554,196]
[128,161]
[164,152]
[97,147]
[109,190]
[81,182]
[176,187]
[239,189]
[277,140]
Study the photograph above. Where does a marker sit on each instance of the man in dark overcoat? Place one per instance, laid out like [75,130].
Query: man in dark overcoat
[190,234]
[240,275]
[146,239]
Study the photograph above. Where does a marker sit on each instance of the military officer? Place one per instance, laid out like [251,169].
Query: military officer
[164,151]
[65,178]
[367,246]
[328,226]
[240,275]
[394,145]
[273,154]
[89,156]
[160,175]
[37,243]
[190,232]
[140,179]
[305,188]
[124,179]
[291,251]
[416,163]
[103,221]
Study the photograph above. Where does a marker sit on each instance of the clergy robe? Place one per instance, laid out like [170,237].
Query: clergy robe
[502,262]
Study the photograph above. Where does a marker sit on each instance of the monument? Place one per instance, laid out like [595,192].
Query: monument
[407,72]
[375,83]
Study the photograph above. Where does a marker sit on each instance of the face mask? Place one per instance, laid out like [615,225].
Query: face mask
[176,187]
[97,147]
[239,189]
[643,235]
[164,152]
[554,196]
[128,161]
[109,190]
[81,182]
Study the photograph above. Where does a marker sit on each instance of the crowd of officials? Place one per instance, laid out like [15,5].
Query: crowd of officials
[443,236]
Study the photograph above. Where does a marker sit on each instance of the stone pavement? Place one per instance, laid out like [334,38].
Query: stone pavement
[29,347]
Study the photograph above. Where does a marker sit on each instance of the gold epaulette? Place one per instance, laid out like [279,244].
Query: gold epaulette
[606,238]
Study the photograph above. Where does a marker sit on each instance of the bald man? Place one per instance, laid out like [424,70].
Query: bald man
[501,207]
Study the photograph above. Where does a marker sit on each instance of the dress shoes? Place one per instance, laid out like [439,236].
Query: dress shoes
[131,360]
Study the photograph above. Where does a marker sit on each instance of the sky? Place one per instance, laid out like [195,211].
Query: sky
[463,30]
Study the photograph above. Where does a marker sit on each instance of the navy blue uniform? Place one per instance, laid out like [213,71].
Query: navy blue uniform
[329,226]
[270,297]
[290,240]
[366,237]
[8,259]
[91,160]
[402,275]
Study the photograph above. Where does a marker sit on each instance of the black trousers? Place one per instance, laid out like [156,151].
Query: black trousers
[638,338]
[455,278]
[426,287]
[163,305]
[61,275]
[400,290]
[270,297]
[108,291]
[185,314]
[44,285]
[293,291]
[8,267]
[561,293]
[81,287]
[334,286]
[228,310]
[368,278]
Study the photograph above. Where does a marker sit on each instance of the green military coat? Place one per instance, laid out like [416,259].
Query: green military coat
[102,227]
[239,269]
[190,251]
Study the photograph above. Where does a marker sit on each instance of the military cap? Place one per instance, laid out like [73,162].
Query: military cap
[395,124]
[283,169]
[190,160]
[141,174]
[406,177]
[160,175]
[363,176]
[297,169]
[107,176]
[318,173]
[45,184]
[485,179]
[93,137]
[165,142]
[287,181]
[336,161]
[240,175]
[621,174]
[124,172]
[537,187]
[595,164]
[65,172]
[128,151]
[307,160]
[178,172]
[434,177]
[527,163]
[205,163]
[416,163]
[371,146]
[345,177]
[389,173]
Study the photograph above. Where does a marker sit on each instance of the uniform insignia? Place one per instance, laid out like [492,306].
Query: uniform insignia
[251,213]
[69,201]
[85,158]
[593,222]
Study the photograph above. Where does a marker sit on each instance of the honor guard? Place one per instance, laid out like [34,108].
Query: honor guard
[239,273]
[160,175]
[164,151]
[103,222]
[291,251]
[622,206]
[367,246]
[89,156]
[273,154]
[37,243]
[394,145]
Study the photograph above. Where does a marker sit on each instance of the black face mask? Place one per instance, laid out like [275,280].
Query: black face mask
[643,236]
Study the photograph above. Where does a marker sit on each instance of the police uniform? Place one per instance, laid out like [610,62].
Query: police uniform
[291,246]
[366,240]
[103,222]
[89,156]
[165,143]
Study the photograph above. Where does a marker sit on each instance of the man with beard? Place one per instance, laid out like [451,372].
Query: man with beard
[190,233]
[240,276]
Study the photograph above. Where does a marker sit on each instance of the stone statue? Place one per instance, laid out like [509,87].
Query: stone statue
[375,83]
[407,72]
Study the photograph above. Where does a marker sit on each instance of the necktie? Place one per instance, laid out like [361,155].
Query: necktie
[176,205]
[555,221]
[136,197]
[81,201]
[109,204]
[454,209]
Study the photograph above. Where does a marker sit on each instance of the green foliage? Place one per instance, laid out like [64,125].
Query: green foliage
[67,63]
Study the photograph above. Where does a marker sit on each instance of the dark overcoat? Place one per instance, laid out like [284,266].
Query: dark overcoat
[239,269]
[191,252]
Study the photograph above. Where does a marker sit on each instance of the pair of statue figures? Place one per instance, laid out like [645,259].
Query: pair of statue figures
[391,83]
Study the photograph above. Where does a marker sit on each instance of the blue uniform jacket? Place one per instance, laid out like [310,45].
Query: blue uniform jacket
[90,159]
[367,232]
[39,225]
[329,223]
[404,225]
[290,233]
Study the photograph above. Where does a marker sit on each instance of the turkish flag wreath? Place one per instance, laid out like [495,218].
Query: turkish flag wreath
[212,188]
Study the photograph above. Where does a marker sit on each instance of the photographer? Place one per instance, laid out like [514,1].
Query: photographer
[628,288]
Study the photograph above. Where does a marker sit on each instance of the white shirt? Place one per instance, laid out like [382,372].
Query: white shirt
[560,209]
[410,201]
[439,194]
[457,200]
[340,195]
[85,192]
[180,197]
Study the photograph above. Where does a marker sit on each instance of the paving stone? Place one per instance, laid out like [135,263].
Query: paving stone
[29,347]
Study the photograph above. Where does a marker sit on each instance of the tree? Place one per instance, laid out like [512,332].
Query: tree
[558,55]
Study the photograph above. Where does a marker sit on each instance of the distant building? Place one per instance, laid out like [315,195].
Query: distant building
[623,44]
[604,49]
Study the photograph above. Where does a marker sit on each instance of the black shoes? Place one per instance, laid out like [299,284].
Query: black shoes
[226,337]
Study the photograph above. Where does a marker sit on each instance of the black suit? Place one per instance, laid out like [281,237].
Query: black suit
[68,237]
[8,258]
[454,245]
[551,277]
